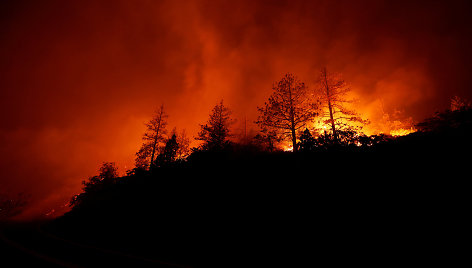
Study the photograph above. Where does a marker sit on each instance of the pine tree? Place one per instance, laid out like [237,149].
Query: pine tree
[288,109]
[215,132]
[154,135]
[169,153]
[332,94]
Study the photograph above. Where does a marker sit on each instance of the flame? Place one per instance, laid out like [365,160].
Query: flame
[288,148]
[402,131]
[389,124]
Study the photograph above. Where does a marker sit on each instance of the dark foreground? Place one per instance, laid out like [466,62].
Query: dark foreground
[384,213]
[402,203]
[380,225]
[30,245]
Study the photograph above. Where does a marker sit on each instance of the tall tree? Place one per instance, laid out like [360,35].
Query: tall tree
[215,132]
[154,135]
[332,94]
[168,154]
[288,109]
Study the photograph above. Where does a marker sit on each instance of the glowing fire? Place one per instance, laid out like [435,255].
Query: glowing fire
[393,128]
[402,131]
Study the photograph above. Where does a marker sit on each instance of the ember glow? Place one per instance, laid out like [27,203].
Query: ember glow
[78,80]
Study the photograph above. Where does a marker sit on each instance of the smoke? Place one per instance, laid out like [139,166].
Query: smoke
[78,80]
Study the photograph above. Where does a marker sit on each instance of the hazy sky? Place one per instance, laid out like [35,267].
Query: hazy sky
[78,79]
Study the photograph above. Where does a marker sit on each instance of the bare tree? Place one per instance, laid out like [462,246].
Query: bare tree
[288,109]
[154,135]
[332,93]
[184,145]
[215,132]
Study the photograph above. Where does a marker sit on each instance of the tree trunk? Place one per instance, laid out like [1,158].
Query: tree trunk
[294,140]
[330,107]
[153,150]
[155,139]
[292,122]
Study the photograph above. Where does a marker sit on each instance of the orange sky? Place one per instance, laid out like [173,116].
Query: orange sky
[78,79]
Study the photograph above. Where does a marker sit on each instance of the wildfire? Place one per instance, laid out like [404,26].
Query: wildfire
[393,128]
[288,148]
[402,131]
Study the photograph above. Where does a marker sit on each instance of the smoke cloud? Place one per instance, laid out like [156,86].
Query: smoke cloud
[79,79]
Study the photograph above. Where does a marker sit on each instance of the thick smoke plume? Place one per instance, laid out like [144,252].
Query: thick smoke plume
[79,79]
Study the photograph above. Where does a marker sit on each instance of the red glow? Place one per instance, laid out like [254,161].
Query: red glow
[78,81]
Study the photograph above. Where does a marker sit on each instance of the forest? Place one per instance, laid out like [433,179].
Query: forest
[309,176]
[249,133]
[195,206]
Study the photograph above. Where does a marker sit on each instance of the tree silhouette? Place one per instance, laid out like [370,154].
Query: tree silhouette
[267,139]
[108,172]
[143,156]
[307,142]
[215,132]
[460,118]
[288,108]
[169,153]
[183,142]
[332,93]
[155,131]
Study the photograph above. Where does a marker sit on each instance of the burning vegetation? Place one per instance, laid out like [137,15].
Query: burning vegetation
[295,119]
[81,91]
[170,206]
[324,113]
[271,117]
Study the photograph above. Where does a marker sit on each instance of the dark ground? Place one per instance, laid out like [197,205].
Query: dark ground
[381,215]
[404,202]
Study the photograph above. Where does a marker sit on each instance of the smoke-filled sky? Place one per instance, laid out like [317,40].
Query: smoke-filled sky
[78,79]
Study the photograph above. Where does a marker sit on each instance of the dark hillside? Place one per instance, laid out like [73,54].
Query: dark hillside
[242,205]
